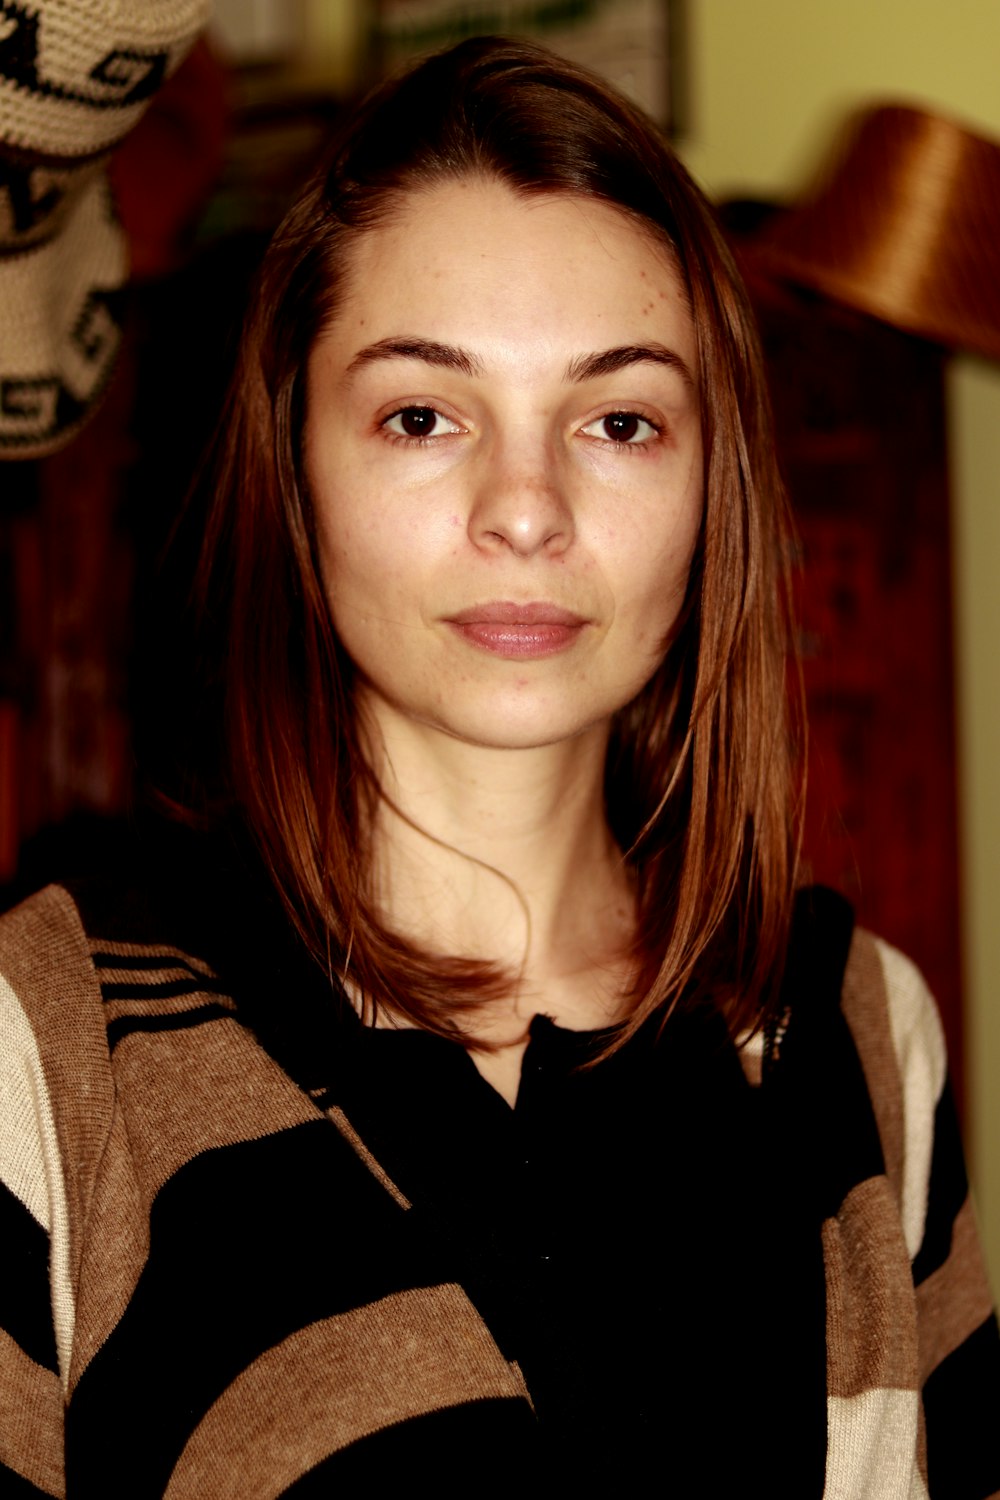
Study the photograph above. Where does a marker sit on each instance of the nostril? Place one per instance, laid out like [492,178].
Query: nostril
[519,509]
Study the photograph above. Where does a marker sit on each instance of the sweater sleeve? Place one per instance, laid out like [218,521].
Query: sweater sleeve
[56,1105]
[959,1347]
[35,1296]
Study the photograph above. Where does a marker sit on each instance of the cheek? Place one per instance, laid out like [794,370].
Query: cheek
[374,573]
[660,565]
[351,534]
[369,529]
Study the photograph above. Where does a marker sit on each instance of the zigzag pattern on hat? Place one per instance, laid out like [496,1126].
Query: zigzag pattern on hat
[62,326]
[75,74]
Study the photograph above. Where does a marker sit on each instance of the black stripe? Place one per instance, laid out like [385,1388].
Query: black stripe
[25,1305]
[165,989]
[14,1486]
[451,1445]
[123,1026]
[104,960]
[248,1243]
[947,1192]
[961,1404]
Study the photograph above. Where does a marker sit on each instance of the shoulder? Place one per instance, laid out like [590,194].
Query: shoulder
[122,1062]
[43,935]
[70,963]
[79,971]
[53,1048]
[888,1005]
[840,974]
[897,1031]
[866,1044]
[900,1043]
[52,1027]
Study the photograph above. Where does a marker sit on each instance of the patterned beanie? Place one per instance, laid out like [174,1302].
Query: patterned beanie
[75,76]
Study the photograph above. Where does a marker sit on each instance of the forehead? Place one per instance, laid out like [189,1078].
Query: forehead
[472,262]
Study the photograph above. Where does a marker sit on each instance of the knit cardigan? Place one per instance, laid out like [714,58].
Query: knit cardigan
[207,1290]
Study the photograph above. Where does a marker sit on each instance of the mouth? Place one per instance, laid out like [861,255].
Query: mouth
[504,628]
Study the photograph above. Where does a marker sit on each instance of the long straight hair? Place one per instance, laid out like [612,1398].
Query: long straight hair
[699,780]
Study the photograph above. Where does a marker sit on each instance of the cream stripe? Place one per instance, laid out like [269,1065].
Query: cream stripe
[920,1053]
[871,1447]
[751,1050]
[29,1155]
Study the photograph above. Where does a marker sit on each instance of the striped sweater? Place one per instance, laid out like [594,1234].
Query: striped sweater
[159,1171]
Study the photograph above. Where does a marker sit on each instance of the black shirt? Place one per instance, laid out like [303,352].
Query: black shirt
[627,1237]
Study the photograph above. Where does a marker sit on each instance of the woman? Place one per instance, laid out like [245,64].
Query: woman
[514,1122]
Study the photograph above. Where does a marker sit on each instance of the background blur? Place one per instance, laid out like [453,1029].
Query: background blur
[769,84]
[890,444]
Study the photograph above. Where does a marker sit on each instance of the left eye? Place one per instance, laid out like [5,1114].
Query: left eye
[621,427]
[419,422]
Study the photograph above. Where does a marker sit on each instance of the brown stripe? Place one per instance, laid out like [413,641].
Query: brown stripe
[118,1244]
[865,1006]
[347,1130]
[870,1315]
[145,951]
[171,1005]
[955,1300]
[31,1419]
[334,1382]
[185,1092]
[45,955]
[179,1094]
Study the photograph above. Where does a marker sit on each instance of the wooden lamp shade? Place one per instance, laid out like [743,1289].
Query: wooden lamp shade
[904,226]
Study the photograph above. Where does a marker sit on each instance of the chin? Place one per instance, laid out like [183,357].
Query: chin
[520,726]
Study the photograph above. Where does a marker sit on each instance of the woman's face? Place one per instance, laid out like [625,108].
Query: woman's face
[503,450]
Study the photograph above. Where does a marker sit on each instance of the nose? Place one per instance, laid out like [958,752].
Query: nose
[521,504]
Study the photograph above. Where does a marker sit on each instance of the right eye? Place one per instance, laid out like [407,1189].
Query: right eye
[419,422]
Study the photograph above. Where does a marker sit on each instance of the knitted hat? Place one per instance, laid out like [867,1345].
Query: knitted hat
[75,76]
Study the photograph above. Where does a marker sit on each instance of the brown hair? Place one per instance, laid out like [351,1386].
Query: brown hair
[699,778]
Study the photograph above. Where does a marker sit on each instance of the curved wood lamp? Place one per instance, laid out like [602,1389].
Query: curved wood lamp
[904,226]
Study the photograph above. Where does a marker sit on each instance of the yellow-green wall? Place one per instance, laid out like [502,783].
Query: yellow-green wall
[770,82]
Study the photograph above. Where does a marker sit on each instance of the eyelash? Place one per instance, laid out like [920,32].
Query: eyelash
[414,440]
[639,446]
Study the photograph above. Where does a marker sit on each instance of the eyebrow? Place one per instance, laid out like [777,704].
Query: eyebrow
[428,351]
[583,367]
[610,361]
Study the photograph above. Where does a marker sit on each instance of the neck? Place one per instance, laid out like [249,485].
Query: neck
[505,855]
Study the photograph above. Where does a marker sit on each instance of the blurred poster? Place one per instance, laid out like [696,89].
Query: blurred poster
[254,31]
[629,42]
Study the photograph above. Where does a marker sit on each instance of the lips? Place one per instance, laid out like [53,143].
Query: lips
[505,628]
